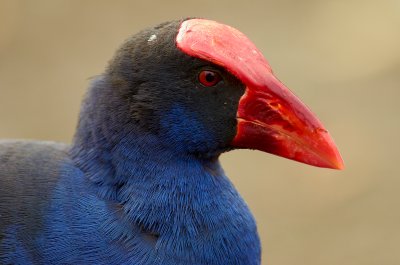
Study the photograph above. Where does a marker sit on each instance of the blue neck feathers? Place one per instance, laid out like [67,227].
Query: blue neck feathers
[184,208]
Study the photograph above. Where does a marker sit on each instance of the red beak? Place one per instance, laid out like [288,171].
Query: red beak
[270,117]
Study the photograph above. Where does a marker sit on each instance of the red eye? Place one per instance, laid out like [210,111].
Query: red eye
[209,78]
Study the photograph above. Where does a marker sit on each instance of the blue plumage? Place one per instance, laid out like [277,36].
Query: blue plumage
[157,208]
[141,183]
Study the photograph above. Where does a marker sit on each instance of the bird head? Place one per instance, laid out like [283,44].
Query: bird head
[203,88]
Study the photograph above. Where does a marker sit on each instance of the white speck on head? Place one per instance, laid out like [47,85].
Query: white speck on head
[152,38]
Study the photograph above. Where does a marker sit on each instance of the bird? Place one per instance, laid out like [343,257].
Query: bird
[141,182]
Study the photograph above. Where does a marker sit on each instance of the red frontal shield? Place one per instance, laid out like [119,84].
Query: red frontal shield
[270,117]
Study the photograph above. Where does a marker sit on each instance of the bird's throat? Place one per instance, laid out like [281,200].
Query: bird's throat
[171,202]
[180,206]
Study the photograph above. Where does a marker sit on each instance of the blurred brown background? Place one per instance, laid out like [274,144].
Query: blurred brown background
[342,58]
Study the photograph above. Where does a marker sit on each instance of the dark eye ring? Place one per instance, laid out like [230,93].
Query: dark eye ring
[209,78]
